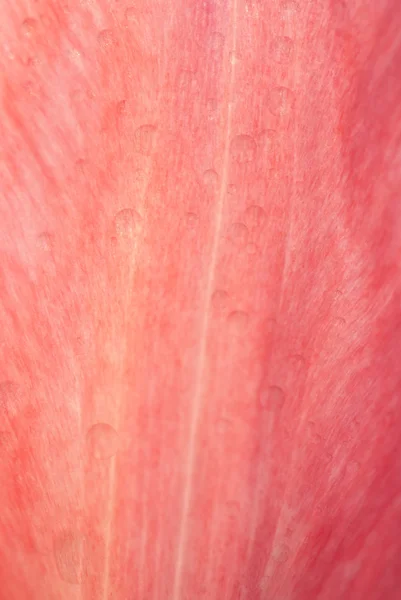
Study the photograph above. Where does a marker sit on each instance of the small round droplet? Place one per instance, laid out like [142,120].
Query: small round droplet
[296,361]
[6,444]
[220,300]
[272,397]
[243,149]
[238,321]
[239,234]
[29,26]
[289,9]
[352,468]
[314,436]
[281,554]
[106,38]
[216,43]
[187,83]
[267,141]
[311,428]
[191,220]
[144,138]
[251,249]
[131,14]
[69,552]
[9,399]
[126,223]
[210,180]
[234,58]
[45,242]
[282,49]
[223,426]
[254,217]
[281,101]
[102,441]
[211,107]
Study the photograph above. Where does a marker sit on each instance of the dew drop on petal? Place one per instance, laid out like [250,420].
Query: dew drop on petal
[131,14]
[237,321]
[29,26]
[126,223]
[102,441]
[220,299]
[45,242]
[251,249]
[243,149]
[106,38]
[192,221]
[281,554]
[144,138]
[282,49]
[272,397]
[10,400]
[239,234]
[289,9]
[210,180]
[69,551]
[255,217]
[280,101]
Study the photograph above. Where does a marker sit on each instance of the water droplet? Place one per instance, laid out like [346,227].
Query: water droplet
[102,441]
[211,107]
[6,445]
[126,223]
[106,38]
[210,180]
[187,83]
[243,149]
[251,249]
[45,242]
[75,55]
[282,49]
[192,220]
[339,323]
[272,397]
[32,62]
[254,217]
[237,321]
[239,234]
[131,14]
[266,141]
[311,428]
[69,552]
[314,436]
[281,554]
[223,426]
[220,299]
[144,138]
[32,88]
[9,398]
[353,467]
[216,43]
[281,100]
[289,9]
[234,58]
[29,26]
[139,177]
[296,361]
